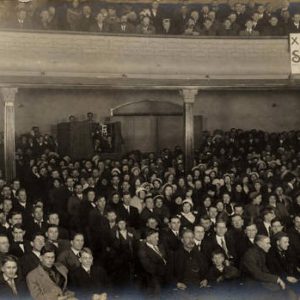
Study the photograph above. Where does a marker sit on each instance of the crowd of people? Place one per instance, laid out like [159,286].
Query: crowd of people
[143,226]
[217,18]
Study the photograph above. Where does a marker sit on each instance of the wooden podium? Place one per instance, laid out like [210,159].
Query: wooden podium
[75,139]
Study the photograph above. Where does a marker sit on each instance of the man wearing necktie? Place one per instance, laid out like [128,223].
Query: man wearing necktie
[199,234]
[49,280]
[154,263]
[264,227]
[221,241]
[11,286]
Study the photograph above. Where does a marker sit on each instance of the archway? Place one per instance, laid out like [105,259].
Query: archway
[152,125]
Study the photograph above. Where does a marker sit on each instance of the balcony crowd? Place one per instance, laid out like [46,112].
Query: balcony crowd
[143,226]
[213,19]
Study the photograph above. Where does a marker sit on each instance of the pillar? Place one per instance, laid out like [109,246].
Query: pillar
[188,100]
[8,96]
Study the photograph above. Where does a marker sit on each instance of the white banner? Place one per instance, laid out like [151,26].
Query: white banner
[295,52]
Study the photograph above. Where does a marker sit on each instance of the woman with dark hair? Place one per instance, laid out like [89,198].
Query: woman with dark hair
[11,285]
[187,216]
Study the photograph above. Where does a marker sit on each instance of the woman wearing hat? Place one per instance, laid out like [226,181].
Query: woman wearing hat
[187,216]
[156,186]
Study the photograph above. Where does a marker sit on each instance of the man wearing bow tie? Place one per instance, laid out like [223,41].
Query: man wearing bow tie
[19,246]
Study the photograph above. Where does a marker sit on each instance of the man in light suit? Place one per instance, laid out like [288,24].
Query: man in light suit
[49,280]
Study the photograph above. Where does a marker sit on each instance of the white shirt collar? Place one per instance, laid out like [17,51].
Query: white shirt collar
[37,253]
[175,232]
[86,269]
[76,252]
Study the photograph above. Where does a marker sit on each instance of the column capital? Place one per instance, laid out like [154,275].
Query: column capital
[8,94]
[189,95]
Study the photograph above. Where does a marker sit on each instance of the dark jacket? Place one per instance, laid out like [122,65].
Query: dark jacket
[17,251]
[281,263]
[131,217]
[29,262]
[181,264]
[6,292]
[85,285]
[253,266]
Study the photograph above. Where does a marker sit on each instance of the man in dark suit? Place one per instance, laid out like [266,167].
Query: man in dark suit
[170,237]
[31,260]
[37,223]
[21,204]
[190,268]
[155,14]
[254,268]
[166,27]
[123,26]
[70,257]
[52,235]
[264,227]
[248,240]
[100,25]
[74,208]
[19,246]
[294,236]
[294,25]
[54,219]
[153,261]
[221,241]
[86,19]
[148,211]
[88,279]
[128,213]
[98,228]
[280,260]
[11,285]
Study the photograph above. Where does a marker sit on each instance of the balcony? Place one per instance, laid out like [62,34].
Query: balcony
[71,59]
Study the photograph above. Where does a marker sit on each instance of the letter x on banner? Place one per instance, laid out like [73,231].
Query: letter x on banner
[295,52]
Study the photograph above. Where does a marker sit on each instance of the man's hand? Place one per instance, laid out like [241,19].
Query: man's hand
[291,279]
[281,283]
[203,283]
[181,286]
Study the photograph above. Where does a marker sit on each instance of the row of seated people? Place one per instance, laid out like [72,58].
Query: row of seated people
[241,197]
[208,20]
[171,262]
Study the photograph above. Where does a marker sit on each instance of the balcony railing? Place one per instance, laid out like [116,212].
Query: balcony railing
[77,59]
